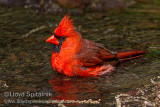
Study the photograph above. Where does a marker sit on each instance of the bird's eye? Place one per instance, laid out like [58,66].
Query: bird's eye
[63,37]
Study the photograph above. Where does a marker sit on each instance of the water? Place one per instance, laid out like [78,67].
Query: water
[25,61]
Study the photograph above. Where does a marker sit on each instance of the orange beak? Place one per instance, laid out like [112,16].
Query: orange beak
[53,40]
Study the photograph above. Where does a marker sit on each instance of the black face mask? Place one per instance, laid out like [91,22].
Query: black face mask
[61,39]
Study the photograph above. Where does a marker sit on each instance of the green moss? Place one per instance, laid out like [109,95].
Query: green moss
[153,53]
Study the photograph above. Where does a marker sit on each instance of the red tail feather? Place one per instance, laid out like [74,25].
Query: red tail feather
[130,55]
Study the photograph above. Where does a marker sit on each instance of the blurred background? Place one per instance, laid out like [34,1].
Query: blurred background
[77,6]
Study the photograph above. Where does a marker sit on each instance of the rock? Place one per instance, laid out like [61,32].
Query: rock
[113,4]
[105,5]
[4,2]
[74,3]
[70,3]
[130,3]
[54,8]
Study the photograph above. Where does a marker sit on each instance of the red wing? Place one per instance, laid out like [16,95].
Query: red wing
[93,54]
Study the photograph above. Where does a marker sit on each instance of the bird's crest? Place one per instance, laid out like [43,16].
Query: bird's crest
[65,27]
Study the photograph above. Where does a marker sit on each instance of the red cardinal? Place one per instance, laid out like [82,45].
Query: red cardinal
[74,56]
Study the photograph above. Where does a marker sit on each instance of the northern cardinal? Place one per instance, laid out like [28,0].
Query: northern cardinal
[74,56]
